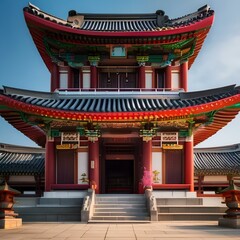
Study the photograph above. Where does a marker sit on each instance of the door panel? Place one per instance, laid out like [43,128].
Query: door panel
[174,167]
[119,176]
[117,80]
[65,167]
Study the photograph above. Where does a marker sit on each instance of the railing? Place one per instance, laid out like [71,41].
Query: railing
[152,205]
[88,206]
[117,90]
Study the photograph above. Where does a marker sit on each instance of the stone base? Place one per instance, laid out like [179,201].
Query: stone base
[10,223]
[229,222]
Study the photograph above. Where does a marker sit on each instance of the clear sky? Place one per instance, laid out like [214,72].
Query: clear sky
[217,64]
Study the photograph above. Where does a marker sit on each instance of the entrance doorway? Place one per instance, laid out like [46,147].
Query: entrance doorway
[119,164]
[119,176]
[117,80]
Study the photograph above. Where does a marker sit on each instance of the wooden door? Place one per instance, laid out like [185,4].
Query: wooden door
[65,166]
[108,80]
[173,167]
[128,80]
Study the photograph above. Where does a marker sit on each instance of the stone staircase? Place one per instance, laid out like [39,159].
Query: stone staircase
[120,208]
[187,209]
[49,209]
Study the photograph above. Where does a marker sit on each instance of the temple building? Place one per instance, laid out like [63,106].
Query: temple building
[118,116]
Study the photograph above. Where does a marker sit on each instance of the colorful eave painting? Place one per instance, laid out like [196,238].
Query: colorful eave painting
[223,104]
[129,31]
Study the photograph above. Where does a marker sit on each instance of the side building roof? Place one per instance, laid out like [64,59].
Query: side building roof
[217,160]
[18,160]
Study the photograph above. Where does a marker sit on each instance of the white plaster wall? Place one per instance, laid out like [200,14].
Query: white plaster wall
[63,79]
[157,164]
[175,80]
[86,78]
[148,79]
[82,166]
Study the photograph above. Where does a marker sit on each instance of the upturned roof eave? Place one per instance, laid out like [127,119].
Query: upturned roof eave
[34,20]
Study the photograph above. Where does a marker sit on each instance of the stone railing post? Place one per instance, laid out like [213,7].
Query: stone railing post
[88,206]
[151,205]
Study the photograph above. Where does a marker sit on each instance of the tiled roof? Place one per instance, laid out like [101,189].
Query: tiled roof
[130,30]
[89,105]
[123,22]
[119,101]
[16,160]
[217,161]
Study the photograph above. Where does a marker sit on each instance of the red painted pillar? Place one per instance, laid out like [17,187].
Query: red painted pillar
[189,162]
[94,164]
[146,172]
[184,76]
[93,76]
[70,77]
[168,75]
[55,77]
[50,165]
[147,155]
[142,76]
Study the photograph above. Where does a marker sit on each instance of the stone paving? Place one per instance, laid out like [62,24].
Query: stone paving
[161,230]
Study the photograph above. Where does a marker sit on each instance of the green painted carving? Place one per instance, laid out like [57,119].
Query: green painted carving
[142,59]
[183,133]
[73,60]
[54,133]
[177,45]
[81,131]
[163,61]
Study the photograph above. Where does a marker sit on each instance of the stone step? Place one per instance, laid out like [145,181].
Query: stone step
[120,205]
[120,221]
[145,214]
[190,209]
[120,201]
[61,201]
[49,214]
[179,201]
[189,216]
[120,209]
[126,218]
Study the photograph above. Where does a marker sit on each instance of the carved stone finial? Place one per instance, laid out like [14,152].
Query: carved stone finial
[162,19]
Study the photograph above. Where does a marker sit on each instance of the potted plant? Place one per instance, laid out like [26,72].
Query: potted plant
[84,178]
[155,176]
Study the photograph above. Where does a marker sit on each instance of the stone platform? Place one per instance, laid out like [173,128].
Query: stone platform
[229,222]
[10,223]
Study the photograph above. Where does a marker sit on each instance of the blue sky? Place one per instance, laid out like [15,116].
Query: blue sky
[217,64]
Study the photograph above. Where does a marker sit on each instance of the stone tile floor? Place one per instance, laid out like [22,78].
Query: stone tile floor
[161,230]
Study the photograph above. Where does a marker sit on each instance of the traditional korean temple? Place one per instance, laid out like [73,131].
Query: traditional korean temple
[118,109]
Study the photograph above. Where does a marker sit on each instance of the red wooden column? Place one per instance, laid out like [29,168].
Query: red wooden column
[50,165]
[142,76]
[147,156]
[93,76]
[93,60]
[55,77]
[168,75]
[184,75]
[189,162]
[93,149]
